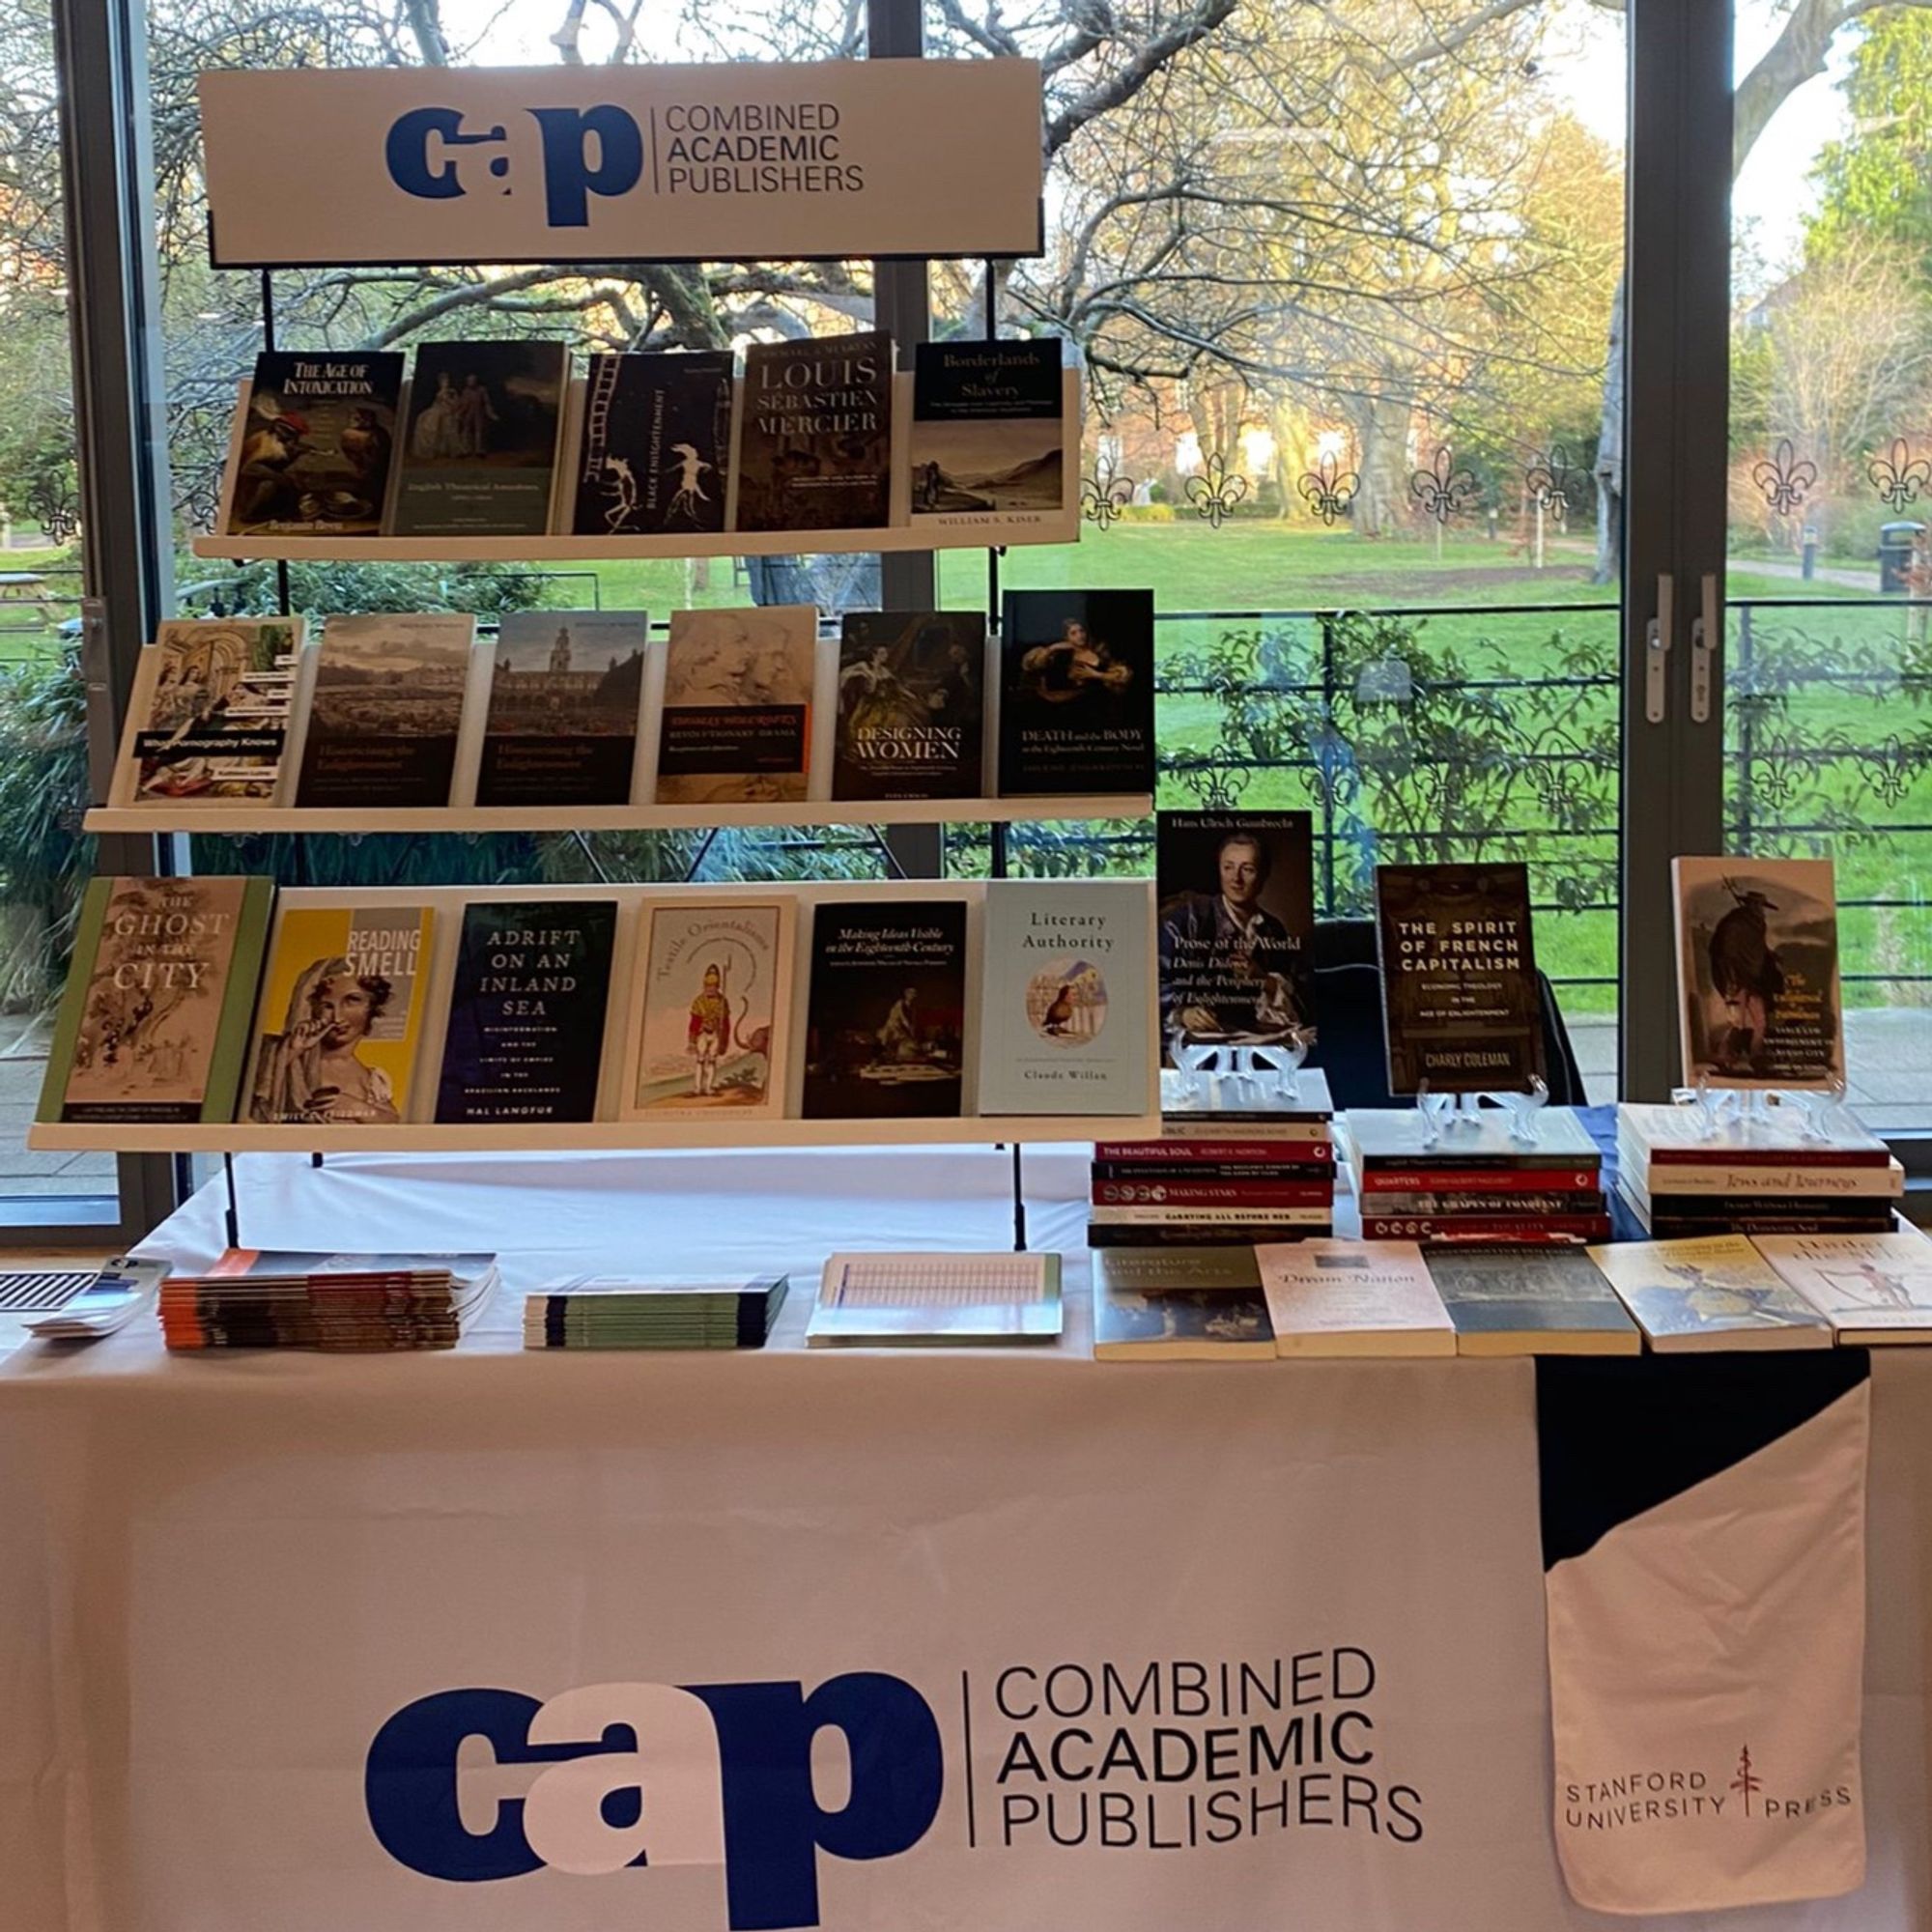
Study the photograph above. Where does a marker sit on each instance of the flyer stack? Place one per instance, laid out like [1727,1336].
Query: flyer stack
[340,1303]
[621,1311]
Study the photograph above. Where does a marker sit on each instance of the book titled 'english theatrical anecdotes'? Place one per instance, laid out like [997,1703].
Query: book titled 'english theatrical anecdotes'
[317,441]
[736,725]
[911,712]
[525,1033]
[211,710]
[565,693]
[814,437]
[1076,693]
[987,437]
[655,454]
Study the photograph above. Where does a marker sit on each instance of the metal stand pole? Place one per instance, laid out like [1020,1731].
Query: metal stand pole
[1019,1204]
[234,1212]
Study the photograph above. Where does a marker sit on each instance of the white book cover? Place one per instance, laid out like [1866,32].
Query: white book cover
[1776,1183]
[1353,1298]
[1712,1292]
[1872,1288]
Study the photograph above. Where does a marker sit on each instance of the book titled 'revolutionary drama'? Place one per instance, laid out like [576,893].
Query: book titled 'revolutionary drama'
[1064,1009]
[815,438]
[564,700]
[479,458]
[885,1022]
[656,449]
[315,444]
[211,710]
[1076,692]
[986,432]
[1460,1005]
[526,1035]
[153,1022]
[340,1015]
[736,726]
[911,691]
[1757,971]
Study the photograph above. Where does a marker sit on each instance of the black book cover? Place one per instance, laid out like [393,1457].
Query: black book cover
[656,444]
[1076,693]
[886,1017]
[479,454]
[1459,1003]
[814,442]
[910,705]
[564,698]
[317,445]
[526,1012]
[986,436]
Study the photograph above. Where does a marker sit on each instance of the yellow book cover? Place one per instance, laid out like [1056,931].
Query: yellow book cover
[341,1015]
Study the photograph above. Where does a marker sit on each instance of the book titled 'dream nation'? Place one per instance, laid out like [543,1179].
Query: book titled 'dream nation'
[736,725]
[655,453]
[318,442]
[209,718]
[565,691]
[1076,693]
[986,434]
[1713,1293]
[815,435]
[1179,1303]
[910,711]
[1353,1299]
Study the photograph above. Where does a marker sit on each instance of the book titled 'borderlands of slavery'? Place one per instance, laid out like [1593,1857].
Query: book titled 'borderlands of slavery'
[736,727]
[565,695]
[318,432]
[387,706]
[1062,1012]
[987,437]
[656,446]
[525,1033]
[153,1022]
[211,710]
[911,691]
[1076,693]
[815,435]
[1757,973]
[340,1015]
[1460,1006]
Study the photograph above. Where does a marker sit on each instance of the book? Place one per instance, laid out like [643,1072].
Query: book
[208,717]
[710,1009]
[816,434]
[480,448]
[1290,1145]
[1178,1303]
[1254,1214]
[340,1015]
[886,1013]
[987,437]
[1190,1234]
[1464,1186]
[1076,693]
[566,689]
[525,1033]
[1488,1229]
[252,1299]
[1713,1293]
[1465,1203]
[1393,1138]
[1757,973]
[1065,995]
[153,1024]
[736,726]
[655,452]
[1224,1105]
[1872,1288]
[911,705]
[1236,898]
[1695,1189]
[387,710]
[1536,1301]
[615,1311]
[875,1300]
[1328,1297]
[1684,1136]
[1251,1193]
[318,435]
[1215,1172]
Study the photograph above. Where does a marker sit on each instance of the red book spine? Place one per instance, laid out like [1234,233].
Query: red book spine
[1530,1229]
[1211,1194]
[1808,1157]
[1473,1181]
[1318,1147]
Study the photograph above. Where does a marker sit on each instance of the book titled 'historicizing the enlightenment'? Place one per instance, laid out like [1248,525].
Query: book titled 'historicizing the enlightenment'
[565,693]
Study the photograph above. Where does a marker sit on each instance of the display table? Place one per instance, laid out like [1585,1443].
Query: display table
[224,1580]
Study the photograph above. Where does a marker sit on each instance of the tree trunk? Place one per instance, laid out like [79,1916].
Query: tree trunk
[1611,455]
[1381,442]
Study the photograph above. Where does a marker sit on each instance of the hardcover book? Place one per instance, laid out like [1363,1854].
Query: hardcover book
[317,442]
[815,439]
[1179,1303]
[1676,1137]
[711,1006]
[1329,1297]
[340,1015]
[1076,693]
[1872,1288]
[936,1300]
[565,696]
[1062,1013]
[986,432]
[209,713]
[480,456]
[1717,1291]
[1392,1137]
[656,448]
[1534,1301]
[1237,919]
[1757,973]
[387,710]
[911,691]
[153,1024]
[737,705]
[886,1019]
[527,1010]
[1459,1003]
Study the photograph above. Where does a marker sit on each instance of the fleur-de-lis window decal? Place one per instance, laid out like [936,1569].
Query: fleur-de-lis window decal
[1328,490]
[1443,490]
[1216,491]
[1898,477]
[1549,477]
[1103,495]
[1784,477]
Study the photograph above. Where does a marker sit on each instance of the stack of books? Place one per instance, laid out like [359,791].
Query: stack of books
[1681,1177]
[342,1304]
[605,1311]
[1221,1172]
[1472,1185]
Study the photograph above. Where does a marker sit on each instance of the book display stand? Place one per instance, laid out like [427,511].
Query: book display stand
[1771,1117]
[1442,1114]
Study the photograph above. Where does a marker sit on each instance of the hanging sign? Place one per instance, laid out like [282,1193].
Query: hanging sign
[728,161]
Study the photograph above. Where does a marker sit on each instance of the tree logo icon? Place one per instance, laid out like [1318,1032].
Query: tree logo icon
[1746,1780]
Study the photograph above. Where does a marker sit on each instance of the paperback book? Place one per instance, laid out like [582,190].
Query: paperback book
[736,726]
[656,450]
[815,439]
[209,713]
[153,1024]
[1531,1301]
[931,1300]
[1714,1293]
[525,1033]
[615,1311]
[987,437]
[318,437]
[1329,1297]
[349,1304]
[387,710]
[1178,1303]
[1872,1288]
[565,693]
[1392,1138]
[911,712]
[1652,1136]
[1076,693]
